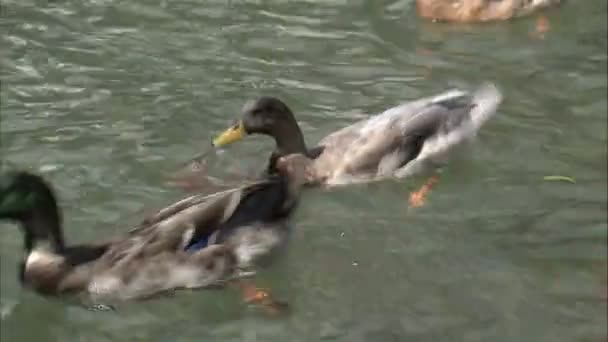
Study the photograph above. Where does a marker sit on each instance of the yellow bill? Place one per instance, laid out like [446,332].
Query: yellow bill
[232,134]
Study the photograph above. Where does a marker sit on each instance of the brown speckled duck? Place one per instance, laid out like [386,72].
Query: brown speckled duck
[402,141]
[198,242]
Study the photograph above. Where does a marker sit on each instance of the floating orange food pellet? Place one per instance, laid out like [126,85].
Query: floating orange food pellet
[542,26]
[417,198]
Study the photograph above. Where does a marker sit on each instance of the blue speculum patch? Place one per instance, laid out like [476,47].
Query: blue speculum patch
[198,244]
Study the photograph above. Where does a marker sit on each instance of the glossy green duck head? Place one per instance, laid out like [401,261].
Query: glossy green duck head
[28,199]
[266,115]
[22,193]
[16,195]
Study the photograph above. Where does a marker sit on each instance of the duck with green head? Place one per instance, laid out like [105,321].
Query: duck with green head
[198,242]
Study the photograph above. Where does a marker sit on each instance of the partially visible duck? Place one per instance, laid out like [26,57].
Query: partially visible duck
[134,266]
[467,11]
[194,243]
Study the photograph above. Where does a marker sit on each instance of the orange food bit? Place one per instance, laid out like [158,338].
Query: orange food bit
[542,26]
[417,198]
[259,296]
[251,294]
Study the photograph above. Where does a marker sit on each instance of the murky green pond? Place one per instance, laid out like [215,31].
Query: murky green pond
[104,97]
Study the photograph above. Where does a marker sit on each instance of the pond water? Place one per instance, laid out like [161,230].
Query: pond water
[105,97]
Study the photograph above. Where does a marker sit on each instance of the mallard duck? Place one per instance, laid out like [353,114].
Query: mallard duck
[402,141]
[198,242]
[466,11]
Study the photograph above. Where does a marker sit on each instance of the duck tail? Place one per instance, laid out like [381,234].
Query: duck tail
[486,99]
[531,6]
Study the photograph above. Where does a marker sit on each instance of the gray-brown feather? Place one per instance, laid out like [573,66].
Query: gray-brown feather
[147,259]
[383,145]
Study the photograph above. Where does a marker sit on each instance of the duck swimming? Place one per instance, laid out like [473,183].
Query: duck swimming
[467,11]
[197,242]
[399,142]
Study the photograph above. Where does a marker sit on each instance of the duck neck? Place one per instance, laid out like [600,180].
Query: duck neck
[43,229]
[292,194]
[289,139]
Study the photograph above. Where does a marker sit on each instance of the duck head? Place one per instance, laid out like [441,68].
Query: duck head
[269,116]
[28,199]
[19,194]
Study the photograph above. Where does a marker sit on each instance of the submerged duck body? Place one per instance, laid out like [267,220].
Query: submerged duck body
[397,143]
[468,11]
[195,243]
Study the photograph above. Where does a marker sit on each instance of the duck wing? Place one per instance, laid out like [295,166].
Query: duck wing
[526,7]
[269,204]
[191,222]
[380,145]
[459,120]
[152,256]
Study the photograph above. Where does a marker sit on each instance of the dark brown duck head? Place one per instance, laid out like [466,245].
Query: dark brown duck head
[268,116]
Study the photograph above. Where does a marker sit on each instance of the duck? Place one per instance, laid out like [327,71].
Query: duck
[197,242]
[469,11]
[408,139]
